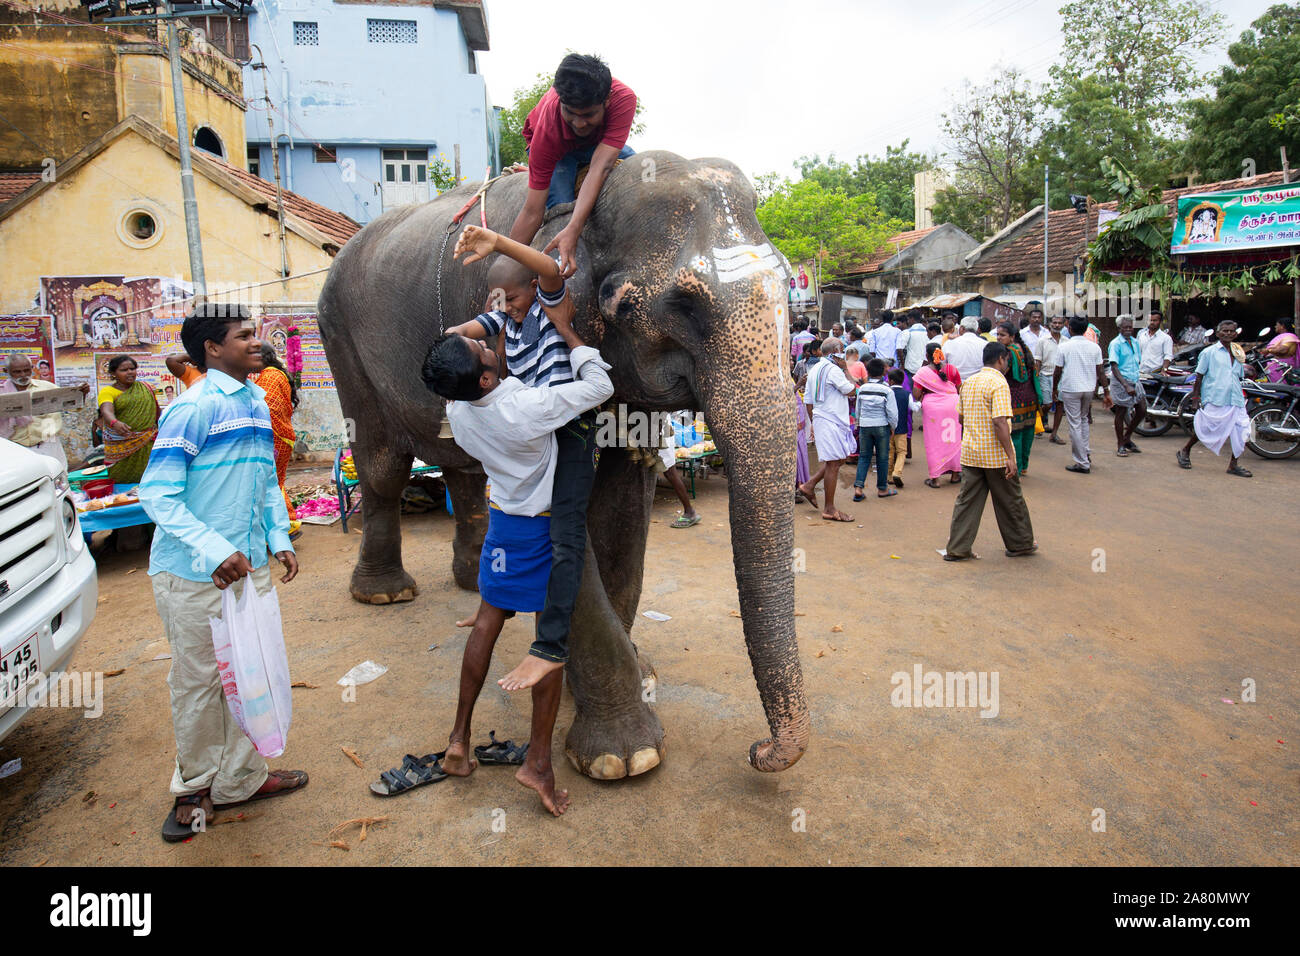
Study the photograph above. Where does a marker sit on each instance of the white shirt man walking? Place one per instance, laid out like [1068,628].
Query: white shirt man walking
[1077,378]
[966,352]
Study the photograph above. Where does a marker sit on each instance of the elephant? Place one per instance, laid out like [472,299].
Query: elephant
[686,298]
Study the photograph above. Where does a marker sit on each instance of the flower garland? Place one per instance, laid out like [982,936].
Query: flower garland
[293,355]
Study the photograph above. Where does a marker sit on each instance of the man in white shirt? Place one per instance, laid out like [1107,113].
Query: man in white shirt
[1034,330]
[1047,356]
[1157,347]
[1077,377]
[910,348]
[884,338]
[966,352]
[827,391]
[509,427]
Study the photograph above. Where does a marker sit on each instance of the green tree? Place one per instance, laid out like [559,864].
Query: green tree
[992,135]
[806,220]
[513,148]
[1263,80]
[889,178]
[1122,88]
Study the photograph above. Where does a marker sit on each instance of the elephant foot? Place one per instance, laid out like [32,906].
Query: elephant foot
[391,588]
[465,572]
[608,746]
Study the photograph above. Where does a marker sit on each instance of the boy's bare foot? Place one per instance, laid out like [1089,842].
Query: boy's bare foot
[457,761]
[529,672]
[469,621]
[557,801]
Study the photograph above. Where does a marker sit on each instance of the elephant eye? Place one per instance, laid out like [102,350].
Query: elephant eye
[690,308]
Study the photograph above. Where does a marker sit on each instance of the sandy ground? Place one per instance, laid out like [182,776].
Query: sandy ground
[1111,697]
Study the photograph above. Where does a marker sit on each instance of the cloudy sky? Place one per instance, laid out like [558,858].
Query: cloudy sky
[763,82]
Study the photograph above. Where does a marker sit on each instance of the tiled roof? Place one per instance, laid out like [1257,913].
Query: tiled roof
[893,246]
[11,184]
[311,220]
[334,225]
[1023,253]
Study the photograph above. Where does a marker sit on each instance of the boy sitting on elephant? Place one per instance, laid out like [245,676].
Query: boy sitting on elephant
[531,305]
[510,428]
[583,120]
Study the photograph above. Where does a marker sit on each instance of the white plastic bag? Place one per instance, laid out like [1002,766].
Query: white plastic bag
[249,645]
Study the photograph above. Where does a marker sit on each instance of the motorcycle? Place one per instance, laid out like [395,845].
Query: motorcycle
[1165,394]
[1274,407]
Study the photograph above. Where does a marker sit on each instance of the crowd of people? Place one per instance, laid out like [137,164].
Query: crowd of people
[856,391]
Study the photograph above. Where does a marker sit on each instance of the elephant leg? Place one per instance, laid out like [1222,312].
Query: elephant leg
[468,501]
[615,731]
[379,577]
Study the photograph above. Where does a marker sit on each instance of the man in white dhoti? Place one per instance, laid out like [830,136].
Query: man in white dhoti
[1221,418]
[827,391]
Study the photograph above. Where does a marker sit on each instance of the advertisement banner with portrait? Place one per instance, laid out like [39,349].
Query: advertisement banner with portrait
[1237,219]
[274,328]
[97,317]
[803,287]
[27,335]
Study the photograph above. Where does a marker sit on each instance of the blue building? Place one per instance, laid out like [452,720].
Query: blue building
[364,95]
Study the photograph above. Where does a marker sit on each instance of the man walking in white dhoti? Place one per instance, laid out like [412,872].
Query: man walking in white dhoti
[1221,418]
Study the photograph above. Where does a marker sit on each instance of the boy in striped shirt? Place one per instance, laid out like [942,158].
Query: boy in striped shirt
[526,287]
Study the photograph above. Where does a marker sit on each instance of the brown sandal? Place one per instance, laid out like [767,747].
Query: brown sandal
[297,777]
[173,831]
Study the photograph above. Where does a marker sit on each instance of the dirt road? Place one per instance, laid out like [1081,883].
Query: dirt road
[1111,697]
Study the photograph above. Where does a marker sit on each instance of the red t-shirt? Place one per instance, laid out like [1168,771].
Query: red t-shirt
[549,138]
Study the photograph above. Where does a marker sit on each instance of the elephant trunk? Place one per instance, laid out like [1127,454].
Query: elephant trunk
[753,425]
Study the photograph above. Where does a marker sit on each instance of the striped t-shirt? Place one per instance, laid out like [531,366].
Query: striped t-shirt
[535,350]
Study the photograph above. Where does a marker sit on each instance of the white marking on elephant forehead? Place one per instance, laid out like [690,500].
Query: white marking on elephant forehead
[738,262]
[701,264]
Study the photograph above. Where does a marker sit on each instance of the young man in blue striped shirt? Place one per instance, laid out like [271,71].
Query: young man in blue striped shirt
[211,489]
[526,285]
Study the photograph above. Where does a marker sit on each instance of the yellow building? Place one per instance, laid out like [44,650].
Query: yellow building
[114,208]
[64,83]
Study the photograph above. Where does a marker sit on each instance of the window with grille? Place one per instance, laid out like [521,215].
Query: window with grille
[306,33]
[321,154]
[390,31]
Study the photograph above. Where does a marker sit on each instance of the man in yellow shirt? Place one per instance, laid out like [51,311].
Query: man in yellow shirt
[40,433]
[988,463]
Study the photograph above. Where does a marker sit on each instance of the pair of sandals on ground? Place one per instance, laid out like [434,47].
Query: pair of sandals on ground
[418,771]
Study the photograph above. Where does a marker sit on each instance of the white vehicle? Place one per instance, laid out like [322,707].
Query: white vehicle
[48,588]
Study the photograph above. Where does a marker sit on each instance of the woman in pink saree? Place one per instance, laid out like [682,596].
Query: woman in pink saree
[937,386]
[1283,350]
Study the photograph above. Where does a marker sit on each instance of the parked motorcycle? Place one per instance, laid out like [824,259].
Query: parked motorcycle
[1164,394]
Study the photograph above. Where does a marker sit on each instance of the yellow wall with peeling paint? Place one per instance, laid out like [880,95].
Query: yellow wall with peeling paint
[64,88]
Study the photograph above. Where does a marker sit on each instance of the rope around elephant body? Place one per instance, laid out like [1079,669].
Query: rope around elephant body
[452,226]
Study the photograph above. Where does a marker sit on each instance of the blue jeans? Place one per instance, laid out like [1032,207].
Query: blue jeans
[873,438]
[564,179]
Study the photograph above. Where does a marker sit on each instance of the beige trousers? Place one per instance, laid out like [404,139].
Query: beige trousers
[211,750]
[897,454]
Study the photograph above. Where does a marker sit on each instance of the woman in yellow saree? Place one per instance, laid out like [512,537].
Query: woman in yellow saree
[129,411]
[281,399]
